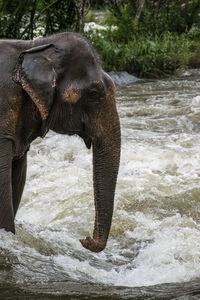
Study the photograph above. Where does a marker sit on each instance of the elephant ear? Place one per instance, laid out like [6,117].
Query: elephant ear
[36,74]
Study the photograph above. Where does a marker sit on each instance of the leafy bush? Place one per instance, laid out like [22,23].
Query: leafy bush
[147,55]
[157,45]
[194,61]
[194,32]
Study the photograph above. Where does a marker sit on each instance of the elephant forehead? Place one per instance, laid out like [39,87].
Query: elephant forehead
[71,95]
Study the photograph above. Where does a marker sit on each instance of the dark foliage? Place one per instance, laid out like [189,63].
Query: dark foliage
[151,37]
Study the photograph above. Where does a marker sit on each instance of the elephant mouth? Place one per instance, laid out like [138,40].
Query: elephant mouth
[72,131]
[88,142]
[86,138]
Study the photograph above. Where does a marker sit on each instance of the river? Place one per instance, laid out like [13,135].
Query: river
[153,251]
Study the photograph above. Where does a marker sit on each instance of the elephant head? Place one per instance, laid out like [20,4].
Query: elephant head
[75,96]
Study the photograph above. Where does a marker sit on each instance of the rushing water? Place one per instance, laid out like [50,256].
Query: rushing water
[153,251]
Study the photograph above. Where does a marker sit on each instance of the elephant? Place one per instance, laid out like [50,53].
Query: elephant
[57,83]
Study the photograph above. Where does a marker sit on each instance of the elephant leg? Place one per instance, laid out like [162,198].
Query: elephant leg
[6,205]
[18,180]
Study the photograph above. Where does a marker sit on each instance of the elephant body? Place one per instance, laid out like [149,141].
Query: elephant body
[57,83]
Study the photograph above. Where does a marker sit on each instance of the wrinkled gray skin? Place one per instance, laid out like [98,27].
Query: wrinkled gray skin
[57,83]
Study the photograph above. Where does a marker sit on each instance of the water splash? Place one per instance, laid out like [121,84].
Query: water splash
[155,235]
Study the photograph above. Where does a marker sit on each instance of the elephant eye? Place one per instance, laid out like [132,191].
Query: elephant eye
[94,93]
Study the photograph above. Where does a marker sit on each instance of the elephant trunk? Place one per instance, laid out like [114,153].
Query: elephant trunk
[106,156]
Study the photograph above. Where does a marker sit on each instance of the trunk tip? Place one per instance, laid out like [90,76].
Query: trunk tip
[93,245]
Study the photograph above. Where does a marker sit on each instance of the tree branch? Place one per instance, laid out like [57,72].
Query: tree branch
[4,5]
[82,8]
[139,10]
[32,15]
[12,16]
[38,16]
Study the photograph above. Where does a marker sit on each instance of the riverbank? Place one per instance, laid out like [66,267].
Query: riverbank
[124,78]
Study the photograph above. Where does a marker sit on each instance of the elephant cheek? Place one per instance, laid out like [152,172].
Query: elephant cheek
[71,95]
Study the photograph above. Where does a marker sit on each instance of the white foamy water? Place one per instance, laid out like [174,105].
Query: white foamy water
[155,235]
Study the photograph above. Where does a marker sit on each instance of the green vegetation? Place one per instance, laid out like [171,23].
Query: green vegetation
[150,38]
[145,54]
